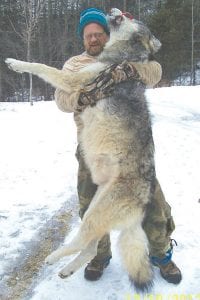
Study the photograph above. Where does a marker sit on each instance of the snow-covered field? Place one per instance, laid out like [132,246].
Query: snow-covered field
[38,175]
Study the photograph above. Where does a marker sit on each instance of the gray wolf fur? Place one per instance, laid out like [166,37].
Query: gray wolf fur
[118,149]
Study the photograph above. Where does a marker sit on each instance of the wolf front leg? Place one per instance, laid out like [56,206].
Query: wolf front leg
[62,79]
[57,78]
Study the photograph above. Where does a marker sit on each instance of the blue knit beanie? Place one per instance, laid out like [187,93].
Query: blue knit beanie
[92,15]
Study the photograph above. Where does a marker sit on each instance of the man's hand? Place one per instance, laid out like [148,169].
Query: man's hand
[103,85]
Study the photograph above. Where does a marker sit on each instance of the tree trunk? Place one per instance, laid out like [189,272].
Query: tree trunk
[29,59]
[192,46]
[1,90]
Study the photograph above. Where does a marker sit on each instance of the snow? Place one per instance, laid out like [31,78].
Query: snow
[38,175]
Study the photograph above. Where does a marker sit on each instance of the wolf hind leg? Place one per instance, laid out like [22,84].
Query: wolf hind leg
[93,227]
[85,255]
[98,220]
[133,246]
[78,243]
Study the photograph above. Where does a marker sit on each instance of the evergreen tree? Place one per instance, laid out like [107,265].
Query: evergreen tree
[172,25]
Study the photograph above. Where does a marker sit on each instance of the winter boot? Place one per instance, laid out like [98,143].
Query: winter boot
[170,272]
[95,268]
[168,269]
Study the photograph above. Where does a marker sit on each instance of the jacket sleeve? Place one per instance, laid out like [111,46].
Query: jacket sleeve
[67,102]
[150,72]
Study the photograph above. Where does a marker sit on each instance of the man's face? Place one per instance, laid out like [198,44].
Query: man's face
[94,39]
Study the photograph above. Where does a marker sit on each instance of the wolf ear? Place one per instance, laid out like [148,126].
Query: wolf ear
[154,44]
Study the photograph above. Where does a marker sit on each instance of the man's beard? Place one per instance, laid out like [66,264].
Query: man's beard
[94,50]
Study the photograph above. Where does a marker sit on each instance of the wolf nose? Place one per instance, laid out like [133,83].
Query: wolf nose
[115,12]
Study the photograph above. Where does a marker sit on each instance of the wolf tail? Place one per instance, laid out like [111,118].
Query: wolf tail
[133,247]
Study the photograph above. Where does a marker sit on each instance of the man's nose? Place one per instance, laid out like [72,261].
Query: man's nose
[93,38]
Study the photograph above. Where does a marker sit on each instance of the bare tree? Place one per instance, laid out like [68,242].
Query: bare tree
[32,10]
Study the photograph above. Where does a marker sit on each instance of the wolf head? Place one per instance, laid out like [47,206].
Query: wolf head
[132,39]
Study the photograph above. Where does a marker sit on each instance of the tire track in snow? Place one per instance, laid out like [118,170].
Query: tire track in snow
[21,276]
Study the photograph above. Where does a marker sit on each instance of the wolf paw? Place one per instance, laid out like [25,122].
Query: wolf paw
[15,65]
[52,258]
[66,272]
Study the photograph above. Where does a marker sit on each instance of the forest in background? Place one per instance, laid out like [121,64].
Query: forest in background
[45,31]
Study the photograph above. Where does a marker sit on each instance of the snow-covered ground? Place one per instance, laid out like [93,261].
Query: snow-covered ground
[38,175]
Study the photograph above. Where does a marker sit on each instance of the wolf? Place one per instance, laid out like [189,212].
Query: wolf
[118,149]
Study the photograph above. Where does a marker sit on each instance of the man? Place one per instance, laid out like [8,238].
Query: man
[158,223]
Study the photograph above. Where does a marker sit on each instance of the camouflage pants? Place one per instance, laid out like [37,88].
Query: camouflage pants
[158,222]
